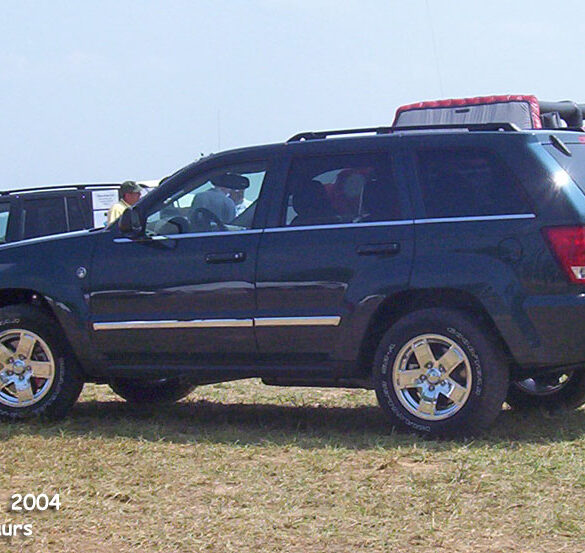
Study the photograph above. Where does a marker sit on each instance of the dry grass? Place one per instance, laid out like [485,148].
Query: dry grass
[243,467]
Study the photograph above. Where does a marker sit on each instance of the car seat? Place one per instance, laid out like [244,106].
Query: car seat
[312,205]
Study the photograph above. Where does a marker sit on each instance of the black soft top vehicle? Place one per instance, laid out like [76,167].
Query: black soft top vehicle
[443,268]
[42,211]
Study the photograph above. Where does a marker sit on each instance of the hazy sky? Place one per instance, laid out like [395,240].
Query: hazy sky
[112,90]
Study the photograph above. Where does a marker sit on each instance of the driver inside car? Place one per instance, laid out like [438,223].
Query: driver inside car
[215,205]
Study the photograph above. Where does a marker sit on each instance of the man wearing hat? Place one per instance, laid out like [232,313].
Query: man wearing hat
[129,195]
[217,200]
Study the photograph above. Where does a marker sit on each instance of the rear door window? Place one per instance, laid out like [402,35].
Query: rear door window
[335,189]
[467,183]
[44,216]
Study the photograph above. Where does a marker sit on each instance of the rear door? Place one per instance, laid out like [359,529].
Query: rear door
[341,236]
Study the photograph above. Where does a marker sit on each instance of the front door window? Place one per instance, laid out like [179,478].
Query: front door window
[218,200]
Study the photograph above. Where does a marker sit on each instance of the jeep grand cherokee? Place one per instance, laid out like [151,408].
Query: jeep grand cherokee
[444,269]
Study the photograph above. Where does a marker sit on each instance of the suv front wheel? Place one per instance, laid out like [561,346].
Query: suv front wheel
[439,373]
[38,374]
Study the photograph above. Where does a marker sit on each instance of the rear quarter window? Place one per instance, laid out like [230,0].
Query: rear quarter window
[573,164]
[467,183]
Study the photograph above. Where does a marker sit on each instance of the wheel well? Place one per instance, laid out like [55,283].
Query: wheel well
[14,296]
[399,305]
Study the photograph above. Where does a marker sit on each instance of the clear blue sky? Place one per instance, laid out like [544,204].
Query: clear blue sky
[110,90]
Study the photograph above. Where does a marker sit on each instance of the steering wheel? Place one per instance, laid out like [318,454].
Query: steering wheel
[174,225]
[201,218]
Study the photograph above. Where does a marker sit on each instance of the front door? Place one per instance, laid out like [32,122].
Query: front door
[185,292]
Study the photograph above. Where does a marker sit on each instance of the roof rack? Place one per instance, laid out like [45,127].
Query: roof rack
[319,135]
[507,127]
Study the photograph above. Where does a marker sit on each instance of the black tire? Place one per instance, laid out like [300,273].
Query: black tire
[476,374]
[51,397]
[163,390]
[563,390]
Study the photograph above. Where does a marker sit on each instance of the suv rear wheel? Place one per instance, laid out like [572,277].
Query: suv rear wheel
[440,374]
[38,374]
[550,391]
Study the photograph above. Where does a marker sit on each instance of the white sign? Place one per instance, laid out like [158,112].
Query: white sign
[100,218]
[104,199]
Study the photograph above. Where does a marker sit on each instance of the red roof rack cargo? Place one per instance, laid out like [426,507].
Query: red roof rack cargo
[525,111]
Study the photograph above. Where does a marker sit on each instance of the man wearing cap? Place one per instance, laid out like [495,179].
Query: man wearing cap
[129,195]
[217,200]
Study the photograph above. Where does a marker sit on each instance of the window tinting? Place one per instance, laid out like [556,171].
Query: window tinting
[467,183]
[341,189]
[43,217]
[75,214]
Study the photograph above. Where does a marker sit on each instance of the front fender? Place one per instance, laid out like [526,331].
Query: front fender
[55,268]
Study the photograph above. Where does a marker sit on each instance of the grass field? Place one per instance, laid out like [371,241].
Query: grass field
[244,467]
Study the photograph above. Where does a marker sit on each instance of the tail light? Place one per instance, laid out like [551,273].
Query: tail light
[568,244]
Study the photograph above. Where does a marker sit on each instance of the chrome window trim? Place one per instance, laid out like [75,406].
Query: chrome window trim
[298,321]
[220,323]
[197,323]
[474,218]
[401,222]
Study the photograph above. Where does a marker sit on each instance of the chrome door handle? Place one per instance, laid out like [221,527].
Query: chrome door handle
[230,257]
[388,248]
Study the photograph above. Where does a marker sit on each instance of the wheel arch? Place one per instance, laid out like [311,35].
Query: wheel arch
[27,296]
[397,306]
[15,296]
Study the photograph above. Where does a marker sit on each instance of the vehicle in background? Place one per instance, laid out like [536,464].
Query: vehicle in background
[33,212]
[523,111]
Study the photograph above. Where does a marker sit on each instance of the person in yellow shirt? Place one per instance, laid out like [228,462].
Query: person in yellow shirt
[129,195]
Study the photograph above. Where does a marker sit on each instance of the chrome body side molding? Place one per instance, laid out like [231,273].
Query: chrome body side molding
[220,323]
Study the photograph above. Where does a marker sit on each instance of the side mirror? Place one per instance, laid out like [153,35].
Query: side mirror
[131,224]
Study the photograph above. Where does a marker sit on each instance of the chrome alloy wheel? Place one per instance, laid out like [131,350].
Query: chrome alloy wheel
[432,377]
[27,368]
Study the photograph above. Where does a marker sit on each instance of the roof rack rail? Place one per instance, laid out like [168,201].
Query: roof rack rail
[58,187]
[507,126]
[319,135]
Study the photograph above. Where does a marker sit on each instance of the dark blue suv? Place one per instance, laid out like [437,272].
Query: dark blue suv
[443,268]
